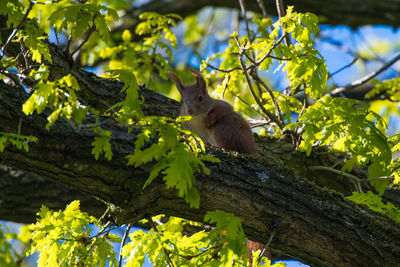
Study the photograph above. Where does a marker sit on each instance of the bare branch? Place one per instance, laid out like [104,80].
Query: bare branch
[46,3]
[266,245]
[18,27]
[91,30]
[348,175]
[270,93]
[268,54]
[226,87]
[247,104]
[282,13]
[10,75]
[243,10]
[344,67]
[262,7]
[365,79]
[270,116]
[123,243]
[221,70]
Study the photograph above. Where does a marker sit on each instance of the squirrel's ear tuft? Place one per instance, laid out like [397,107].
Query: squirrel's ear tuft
[200,82]
[172,76]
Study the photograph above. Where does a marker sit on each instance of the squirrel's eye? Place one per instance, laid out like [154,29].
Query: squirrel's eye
[200,98]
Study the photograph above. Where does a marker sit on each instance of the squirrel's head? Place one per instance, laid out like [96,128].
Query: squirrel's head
[194,97]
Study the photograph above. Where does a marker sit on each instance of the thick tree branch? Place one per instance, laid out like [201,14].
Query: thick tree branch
[314,225]
[336,12]
[23,193]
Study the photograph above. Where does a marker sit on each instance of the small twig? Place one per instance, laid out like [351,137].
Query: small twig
[266,245]
[19,126]
[25,53]
[270,116]
[56,34]
[243,10]
[302,109]
[247,104]
[348,175]
[282,13]
[378,178]
[252,35]
[345,174]
[359,188]
[344,67]
[198,254]
[258,80]
[68,45]
[250,58]
[153,225]
[123,243]
[221,70]
[255,97]
[271,95]
[90,31]
[46,3]
[159,222]
[255,63]
[279,58]
[365,79]
[104,227]
[18,27]
[268,54]
[226,87]
[258,123]
[102,231]
[325,168]
[10,75]
[262,7]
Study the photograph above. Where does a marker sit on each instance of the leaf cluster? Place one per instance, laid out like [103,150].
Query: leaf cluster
[348,126]
[17,140]
[146,57]
[8,255]
[63,238]
[175,161]
[389,87]
[59,95]
[222,246]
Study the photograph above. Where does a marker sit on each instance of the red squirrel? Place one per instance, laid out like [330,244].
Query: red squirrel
[214,120]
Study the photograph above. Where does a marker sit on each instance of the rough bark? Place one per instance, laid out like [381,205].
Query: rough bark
[22,194]
[353,13]
[313,224]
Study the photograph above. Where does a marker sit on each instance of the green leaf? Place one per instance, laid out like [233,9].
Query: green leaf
[14,10]
[126,36]
[375,203]
[102,144]
[229,227]
[389,87]
[17,140]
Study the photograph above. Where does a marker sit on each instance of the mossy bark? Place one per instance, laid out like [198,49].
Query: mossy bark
[313,221]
